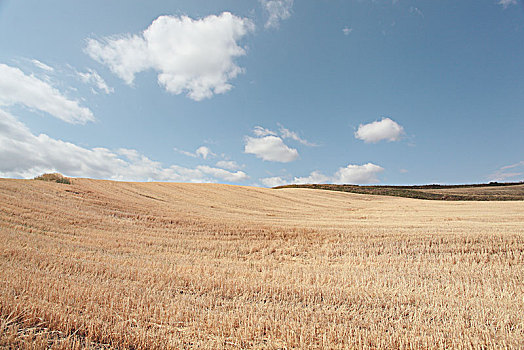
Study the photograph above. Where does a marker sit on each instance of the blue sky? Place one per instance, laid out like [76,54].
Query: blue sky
[263,92]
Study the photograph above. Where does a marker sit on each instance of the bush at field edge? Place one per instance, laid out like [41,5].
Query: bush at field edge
[54,177]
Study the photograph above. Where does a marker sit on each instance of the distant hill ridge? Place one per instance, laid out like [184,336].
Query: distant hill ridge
[493,191]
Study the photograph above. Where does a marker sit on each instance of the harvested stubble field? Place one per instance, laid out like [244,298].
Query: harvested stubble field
[105,264]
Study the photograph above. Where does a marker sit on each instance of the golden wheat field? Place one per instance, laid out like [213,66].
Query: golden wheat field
[101,264]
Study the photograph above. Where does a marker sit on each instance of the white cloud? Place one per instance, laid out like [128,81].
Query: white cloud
[512,166]
[277,11]
[273,181]
[19,88]
[288,134]
[347,30]
[228,164]
[351,174]
[260,131]
[506,3]
[270,148]
[92,77]
[416,11]
[192,56]
[42,65]
[284,133]
[186,153]
[202,152]
[315,177]
[125,55]
[385,129]
[358,174]
[237,176]
[24,154]
[505,174]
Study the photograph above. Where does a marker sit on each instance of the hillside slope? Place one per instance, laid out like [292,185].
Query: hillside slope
[166,265]
[478,192]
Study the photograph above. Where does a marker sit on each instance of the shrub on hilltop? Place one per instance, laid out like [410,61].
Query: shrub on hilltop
[54,177]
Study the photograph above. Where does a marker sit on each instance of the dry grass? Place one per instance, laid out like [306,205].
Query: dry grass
[100,264]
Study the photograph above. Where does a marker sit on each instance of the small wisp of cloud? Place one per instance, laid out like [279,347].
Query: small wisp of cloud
[201,152]
[260,131]
[92,77]
[416,11]
[512,172]
[346,30]
[506,3]
[288,134]
[229,164]
[277,10]
[42,65]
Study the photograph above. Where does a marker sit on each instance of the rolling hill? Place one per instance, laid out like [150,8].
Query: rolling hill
[478,192]
[105,264]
